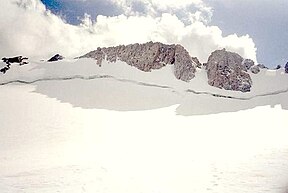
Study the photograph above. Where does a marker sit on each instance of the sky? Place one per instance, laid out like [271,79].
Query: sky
[266,21]
[40,28]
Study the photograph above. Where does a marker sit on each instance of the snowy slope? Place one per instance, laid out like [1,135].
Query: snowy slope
[71,126]
[269,87]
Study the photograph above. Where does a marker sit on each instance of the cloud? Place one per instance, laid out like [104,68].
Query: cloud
[186,10]
[28,28]
[160,4]
[72,10]
[265,21]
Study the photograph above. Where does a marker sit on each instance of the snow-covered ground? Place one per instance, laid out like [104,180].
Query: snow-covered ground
[73,127]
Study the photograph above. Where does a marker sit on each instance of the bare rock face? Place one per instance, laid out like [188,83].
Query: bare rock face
[225,70]
[184,67]
[286,67]
[149,56]
[247,64]
[255,69]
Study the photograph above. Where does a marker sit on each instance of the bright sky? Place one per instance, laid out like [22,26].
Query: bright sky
[266,21]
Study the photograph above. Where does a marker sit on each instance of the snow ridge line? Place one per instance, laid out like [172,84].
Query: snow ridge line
[142,84]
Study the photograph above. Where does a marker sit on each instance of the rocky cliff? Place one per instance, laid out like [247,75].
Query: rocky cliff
[226,70]
[150,56]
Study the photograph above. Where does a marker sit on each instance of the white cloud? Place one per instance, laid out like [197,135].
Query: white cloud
[31,30]
[162,4]
[184,9]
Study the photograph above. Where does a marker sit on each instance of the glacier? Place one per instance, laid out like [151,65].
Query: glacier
[73,126]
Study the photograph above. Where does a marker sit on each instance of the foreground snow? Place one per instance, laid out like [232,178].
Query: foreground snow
[116,129]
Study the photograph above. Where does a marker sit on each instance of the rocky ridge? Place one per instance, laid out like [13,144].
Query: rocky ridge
[225,70]
[149,56]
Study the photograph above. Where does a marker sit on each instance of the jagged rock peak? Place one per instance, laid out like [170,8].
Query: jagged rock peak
[225,70]
[149,56]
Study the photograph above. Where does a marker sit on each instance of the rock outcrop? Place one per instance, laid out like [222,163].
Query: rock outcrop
[184,67]
[247,64]
[225,70]
[199,65]
[5,69]
[17,59]
[149,56]
[278,67]
[262,66]
[55,58]
[255,69]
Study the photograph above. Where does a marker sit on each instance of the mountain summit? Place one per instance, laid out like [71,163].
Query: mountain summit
[149,56]
[225,70]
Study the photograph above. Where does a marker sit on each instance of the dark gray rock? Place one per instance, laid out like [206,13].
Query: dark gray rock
[278,67]
[17,59]
[225,70]
[5,69]
[56,58]
[286,67]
